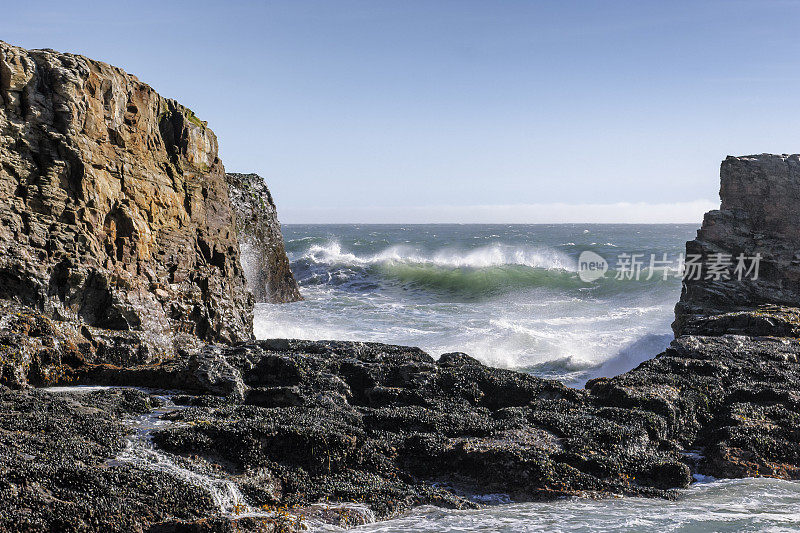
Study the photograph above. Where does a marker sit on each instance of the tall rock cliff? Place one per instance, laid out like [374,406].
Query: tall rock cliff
[758,217]
[266,266]
[726,387]
[114,208]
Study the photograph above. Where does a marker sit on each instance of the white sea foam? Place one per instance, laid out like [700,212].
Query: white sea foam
[140,452]
[717,506]
[483,257]
[225,493]
[606,317]
[79,389]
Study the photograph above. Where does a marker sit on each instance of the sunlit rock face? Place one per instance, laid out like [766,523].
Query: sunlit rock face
[114,208]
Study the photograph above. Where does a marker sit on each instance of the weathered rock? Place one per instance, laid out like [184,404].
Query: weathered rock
[266,266]
[733,398]
[206,371]
[388,426]
[391,427]
[759,215]
[53,471]
[36,350]
[114,209]
[728,384]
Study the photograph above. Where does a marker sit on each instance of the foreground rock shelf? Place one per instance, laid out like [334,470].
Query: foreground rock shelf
[388,426]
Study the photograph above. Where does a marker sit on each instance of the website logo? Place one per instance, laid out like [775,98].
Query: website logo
[591,266]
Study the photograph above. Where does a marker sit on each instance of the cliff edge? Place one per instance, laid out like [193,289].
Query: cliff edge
[757,231]
[114,212]
[726,388]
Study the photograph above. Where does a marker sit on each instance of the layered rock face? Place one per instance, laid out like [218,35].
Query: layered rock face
[759,215]
[266,266]
[114,209]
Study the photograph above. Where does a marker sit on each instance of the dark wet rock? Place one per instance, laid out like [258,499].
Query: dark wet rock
[728,384]
[761,321]
[266,266]
[207,371]
[226,525]
[734,397]
[53,472]
[274,397]
[392,427]
[36,350]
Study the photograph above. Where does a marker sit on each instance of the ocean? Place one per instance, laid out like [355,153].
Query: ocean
[514,296]
[509,295]
[728,506]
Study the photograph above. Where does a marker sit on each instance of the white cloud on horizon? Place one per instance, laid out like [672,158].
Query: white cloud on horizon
[555,213]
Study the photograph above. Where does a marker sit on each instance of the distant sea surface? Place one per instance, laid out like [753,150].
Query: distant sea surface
[511,296]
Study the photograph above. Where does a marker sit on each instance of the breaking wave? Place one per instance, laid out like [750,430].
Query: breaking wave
[483,271]
[477,273]
[483,257]
[509,296]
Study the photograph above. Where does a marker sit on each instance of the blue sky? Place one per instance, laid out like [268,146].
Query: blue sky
[460,110]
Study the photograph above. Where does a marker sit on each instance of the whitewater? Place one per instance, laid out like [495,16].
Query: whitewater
[509,295]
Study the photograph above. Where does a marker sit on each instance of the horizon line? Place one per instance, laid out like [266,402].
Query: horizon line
[691,212]
[487,223]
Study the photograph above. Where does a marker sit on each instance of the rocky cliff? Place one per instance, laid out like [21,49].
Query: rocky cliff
[266,266]
[114,209]
[759,216]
